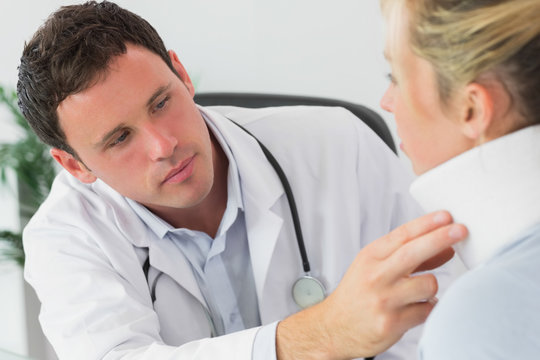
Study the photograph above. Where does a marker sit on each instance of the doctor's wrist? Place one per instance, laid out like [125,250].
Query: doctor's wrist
[305,335]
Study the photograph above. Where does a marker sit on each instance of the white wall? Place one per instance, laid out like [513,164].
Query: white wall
[308,47]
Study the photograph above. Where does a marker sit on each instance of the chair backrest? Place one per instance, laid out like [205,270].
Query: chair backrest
[249,100]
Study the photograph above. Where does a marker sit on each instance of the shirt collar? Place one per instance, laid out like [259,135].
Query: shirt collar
[234,193]
[492,189]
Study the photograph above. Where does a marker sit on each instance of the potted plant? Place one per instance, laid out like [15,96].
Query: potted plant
[34,168]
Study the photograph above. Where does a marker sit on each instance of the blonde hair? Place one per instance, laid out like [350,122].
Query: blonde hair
[464,39]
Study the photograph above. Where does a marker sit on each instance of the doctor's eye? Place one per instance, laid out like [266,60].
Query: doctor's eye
[120,139]
[160,105]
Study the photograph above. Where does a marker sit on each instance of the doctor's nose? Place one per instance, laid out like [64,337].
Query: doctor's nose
[159,144]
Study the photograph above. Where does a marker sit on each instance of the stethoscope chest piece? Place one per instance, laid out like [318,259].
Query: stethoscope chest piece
[308,291]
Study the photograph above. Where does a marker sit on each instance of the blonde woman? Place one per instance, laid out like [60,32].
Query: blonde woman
[465,93]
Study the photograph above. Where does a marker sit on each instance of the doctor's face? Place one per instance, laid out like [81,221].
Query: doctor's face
[138,130]
[428,132]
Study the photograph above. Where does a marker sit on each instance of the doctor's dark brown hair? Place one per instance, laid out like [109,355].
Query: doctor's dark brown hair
[69,53]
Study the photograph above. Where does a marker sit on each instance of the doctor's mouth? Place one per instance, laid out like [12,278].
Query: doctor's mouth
[181,172]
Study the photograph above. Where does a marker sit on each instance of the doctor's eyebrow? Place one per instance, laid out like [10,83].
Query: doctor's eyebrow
[160,90]
[109,135]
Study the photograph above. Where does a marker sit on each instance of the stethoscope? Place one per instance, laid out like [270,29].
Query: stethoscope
[306,290]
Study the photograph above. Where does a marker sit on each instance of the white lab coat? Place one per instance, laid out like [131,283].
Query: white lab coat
[85,247]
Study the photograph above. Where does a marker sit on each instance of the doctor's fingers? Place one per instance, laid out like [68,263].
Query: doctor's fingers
[388,244]
[406,259]
[412,315]
[441,258]
[413,289]
[389,324]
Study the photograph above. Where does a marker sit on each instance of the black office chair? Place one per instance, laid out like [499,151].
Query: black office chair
[249,100]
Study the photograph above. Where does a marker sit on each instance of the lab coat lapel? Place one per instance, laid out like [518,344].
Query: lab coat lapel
[263,228]
[164,255]
[261,188]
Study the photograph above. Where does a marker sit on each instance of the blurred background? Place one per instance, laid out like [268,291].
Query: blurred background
[319,48]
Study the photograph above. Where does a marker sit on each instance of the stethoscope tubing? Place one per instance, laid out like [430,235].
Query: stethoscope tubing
[290,197]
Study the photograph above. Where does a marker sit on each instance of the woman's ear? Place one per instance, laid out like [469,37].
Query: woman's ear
[477,112]
[181,70]
[73,166]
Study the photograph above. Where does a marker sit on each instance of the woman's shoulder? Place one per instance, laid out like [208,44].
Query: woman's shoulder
[491,310]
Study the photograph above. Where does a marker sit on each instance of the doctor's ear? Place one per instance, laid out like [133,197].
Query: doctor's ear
[181,70]
[477,112]
[74,166]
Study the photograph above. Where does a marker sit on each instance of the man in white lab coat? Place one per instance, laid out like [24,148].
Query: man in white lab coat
[169,234]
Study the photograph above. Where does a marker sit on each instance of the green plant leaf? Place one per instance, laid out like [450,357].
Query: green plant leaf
[29,159]
[15,250]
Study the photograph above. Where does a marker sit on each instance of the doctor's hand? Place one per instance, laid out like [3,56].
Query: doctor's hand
[379,297]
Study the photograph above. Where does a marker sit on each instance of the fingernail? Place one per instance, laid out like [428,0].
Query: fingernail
[456,232]
[433,301]
[440,218]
